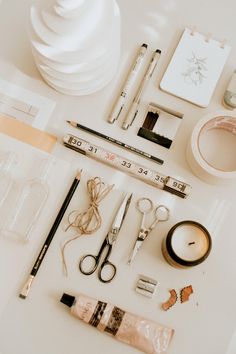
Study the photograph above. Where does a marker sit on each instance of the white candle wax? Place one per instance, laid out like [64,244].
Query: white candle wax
[189,242]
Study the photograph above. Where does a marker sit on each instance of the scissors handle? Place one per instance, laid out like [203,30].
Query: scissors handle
[92,264]
[106,272]
[89,263]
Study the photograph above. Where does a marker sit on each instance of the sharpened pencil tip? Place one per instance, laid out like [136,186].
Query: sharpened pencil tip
[79,174]
[74,124]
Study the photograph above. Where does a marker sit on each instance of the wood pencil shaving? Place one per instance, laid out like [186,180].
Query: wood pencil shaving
[185,293]
[171,301]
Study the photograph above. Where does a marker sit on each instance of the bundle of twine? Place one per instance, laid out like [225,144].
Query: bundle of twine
[88,221]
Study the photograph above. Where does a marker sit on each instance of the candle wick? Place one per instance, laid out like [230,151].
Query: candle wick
[191,243]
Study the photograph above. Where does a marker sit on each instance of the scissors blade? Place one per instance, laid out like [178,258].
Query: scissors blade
[136,248]
[120,215]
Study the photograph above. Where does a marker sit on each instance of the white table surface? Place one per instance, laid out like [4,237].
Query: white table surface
[206,323]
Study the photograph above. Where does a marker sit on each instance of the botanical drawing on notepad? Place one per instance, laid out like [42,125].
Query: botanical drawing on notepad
[196,68]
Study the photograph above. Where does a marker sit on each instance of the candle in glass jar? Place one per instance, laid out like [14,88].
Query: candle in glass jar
[187,244]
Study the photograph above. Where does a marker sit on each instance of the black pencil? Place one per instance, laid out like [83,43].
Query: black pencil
[117,142]
[26,288]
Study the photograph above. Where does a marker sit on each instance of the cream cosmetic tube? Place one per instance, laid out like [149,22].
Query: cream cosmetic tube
[147,336]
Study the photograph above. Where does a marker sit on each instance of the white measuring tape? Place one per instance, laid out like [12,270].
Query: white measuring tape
[196,155]
[141,172]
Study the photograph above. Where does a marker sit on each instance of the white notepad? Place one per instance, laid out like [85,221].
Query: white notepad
[195,68]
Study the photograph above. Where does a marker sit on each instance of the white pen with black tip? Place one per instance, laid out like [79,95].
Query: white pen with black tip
[119,104]
[133,111]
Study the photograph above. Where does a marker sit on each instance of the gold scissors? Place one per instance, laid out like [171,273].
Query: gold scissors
[145,207]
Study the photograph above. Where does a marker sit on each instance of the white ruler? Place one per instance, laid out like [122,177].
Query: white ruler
[141,172]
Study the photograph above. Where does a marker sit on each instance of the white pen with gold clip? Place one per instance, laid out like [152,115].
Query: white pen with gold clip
[120,102]
[133,111]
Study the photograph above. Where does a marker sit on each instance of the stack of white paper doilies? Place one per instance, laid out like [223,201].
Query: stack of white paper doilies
[76,43]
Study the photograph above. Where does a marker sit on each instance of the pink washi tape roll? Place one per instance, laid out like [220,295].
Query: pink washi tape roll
[211,151]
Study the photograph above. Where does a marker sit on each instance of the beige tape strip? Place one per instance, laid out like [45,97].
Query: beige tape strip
[27,134]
